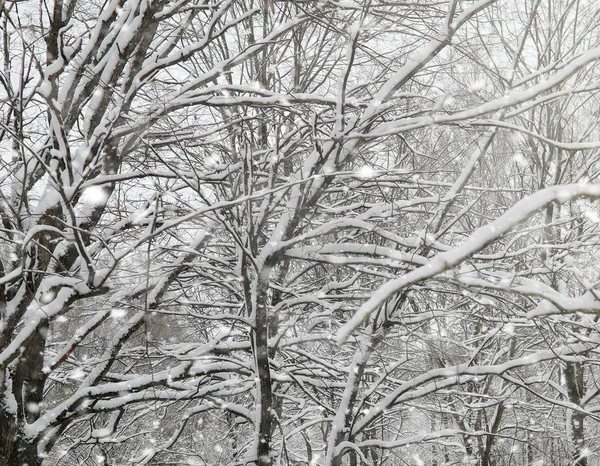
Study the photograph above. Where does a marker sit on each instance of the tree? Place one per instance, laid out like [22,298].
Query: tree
[198,196]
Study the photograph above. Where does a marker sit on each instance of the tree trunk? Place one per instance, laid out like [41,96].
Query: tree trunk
[575,390]
[14,450]
[264,392]
[27,387]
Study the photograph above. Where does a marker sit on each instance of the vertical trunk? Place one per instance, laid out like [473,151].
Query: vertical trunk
[486,459]
[529,450]
[8,430]
[20,405]
[15,451]
[575,390]
[578,438]
[22,382]
[529,445]
[261,354]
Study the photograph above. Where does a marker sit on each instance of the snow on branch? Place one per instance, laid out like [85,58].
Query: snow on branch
[477,241]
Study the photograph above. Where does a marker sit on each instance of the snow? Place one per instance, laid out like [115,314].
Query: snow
[473,244]
[8,400]
[47,297]
[506,101]
[77,374]
[94,196]
[32,407]
[35,316]
[519,158]
[102,433]
[118,313]
[592,215]
[435,380]
[366,172]
[98,359]
[418,461]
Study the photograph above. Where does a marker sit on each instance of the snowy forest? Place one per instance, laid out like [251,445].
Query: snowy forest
[300,232]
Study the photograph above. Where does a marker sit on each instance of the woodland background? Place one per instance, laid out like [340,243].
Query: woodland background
[299,232]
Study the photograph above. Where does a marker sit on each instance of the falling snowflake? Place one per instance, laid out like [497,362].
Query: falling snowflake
[32,407]
[366,172]
[117,313]
[94,196]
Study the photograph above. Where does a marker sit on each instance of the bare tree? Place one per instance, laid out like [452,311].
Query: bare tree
[297,232]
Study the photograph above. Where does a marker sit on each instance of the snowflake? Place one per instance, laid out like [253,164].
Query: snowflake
[366,172]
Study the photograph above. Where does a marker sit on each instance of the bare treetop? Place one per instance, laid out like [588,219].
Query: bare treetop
[299,232]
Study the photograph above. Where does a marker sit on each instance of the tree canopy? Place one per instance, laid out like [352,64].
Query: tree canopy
[310,232]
